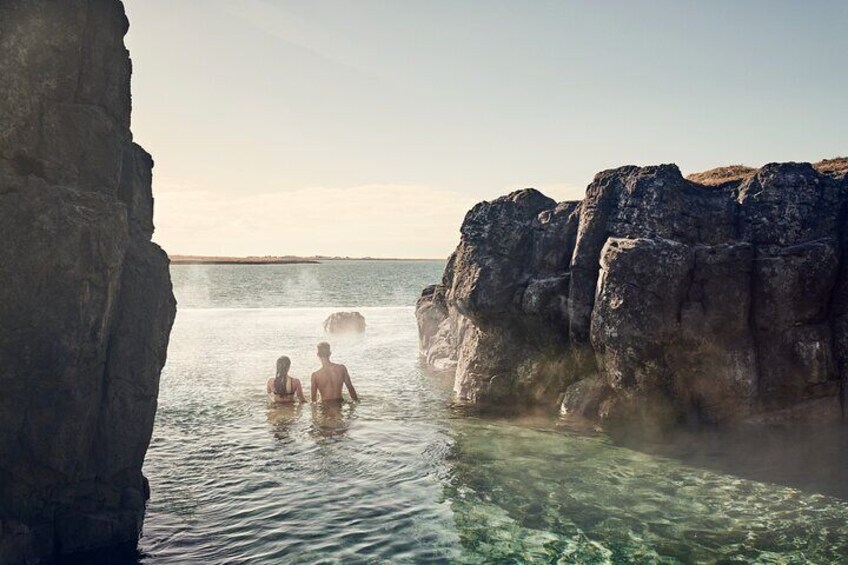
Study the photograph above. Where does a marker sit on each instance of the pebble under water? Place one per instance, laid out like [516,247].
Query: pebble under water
[402,477]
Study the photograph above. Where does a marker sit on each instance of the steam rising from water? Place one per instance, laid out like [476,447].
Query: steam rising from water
[331,284]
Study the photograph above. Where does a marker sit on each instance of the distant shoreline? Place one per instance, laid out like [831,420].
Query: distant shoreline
[273,260]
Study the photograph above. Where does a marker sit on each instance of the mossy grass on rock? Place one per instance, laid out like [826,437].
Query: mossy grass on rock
[722,175]
[719,298]
[85,298]
[837,168]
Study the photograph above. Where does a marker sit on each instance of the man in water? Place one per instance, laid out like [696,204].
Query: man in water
[328,380]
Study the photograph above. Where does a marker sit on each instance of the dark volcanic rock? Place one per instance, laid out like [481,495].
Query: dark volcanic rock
[435,334]
[497,230]
[85,297]
[656,299]
[345,322]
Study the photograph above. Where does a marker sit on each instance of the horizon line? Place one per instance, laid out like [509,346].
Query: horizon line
[183,258]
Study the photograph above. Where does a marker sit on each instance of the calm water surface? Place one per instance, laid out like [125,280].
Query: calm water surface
[402,477]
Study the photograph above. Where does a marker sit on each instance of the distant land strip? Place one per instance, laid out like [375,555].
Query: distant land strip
[272,260]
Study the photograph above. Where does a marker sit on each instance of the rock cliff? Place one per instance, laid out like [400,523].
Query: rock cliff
[85,298]
[657,299]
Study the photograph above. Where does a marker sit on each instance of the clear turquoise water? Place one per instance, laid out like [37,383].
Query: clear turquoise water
[404,478]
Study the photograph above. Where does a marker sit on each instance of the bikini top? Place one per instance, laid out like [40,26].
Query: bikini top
[289,387]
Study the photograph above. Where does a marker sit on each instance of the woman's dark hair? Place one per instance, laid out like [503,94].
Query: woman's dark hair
[283,364]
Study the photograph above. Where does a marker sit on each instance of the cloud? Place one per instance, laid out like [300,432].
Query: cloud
[373,220]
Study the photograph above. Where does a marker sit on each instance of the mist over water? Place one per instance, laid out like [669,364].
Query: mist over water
[331,284]
[402,477]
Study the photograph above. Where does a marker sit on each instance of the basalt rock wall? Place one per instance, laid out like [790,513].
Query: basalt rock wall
[655,299]
[85,298]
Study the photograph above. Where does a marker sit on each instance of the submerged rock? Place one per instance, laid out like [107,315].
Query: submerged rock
[85,298]
[656,299]
[345,322]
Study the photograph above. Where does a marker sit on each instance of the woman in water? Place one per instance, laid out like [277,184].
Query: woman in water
[282,388]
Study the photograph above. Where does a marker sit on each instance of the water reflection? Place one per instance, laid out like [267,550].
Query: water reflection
[283,418]
[332,419]
[329,419]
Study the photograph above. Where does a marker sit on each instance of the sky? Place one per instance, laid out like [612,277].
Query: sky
[369,128]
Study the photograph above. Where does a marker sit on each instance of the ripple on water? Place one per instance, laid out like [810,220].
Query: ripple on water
[403,478]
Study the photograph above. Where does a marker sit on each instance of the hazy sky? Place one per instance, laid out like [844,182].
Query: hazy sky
[369,127]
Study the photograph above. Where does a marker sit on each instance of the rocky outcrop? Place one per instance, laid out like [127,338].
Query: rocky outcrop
[85,298]
[345,322]
[655,299]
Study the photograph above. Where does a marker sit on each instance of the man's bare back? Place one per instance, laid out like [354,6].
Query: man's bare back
[330,378]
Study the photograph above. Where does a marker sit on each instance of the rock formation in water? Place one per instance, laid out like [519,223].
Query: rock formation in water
[715,299]
[345,322]
[85,298]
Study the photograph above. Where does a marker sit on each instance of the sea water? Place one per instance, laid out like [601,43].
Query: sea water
[404,477]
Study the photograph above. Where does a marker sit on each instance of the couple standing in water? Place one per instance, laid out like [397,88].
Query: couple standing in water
[326,381]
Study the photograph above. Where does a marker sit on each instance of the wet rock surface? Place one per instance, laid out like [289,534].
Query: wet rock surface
[345,322]
[656,299]
[85,297]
